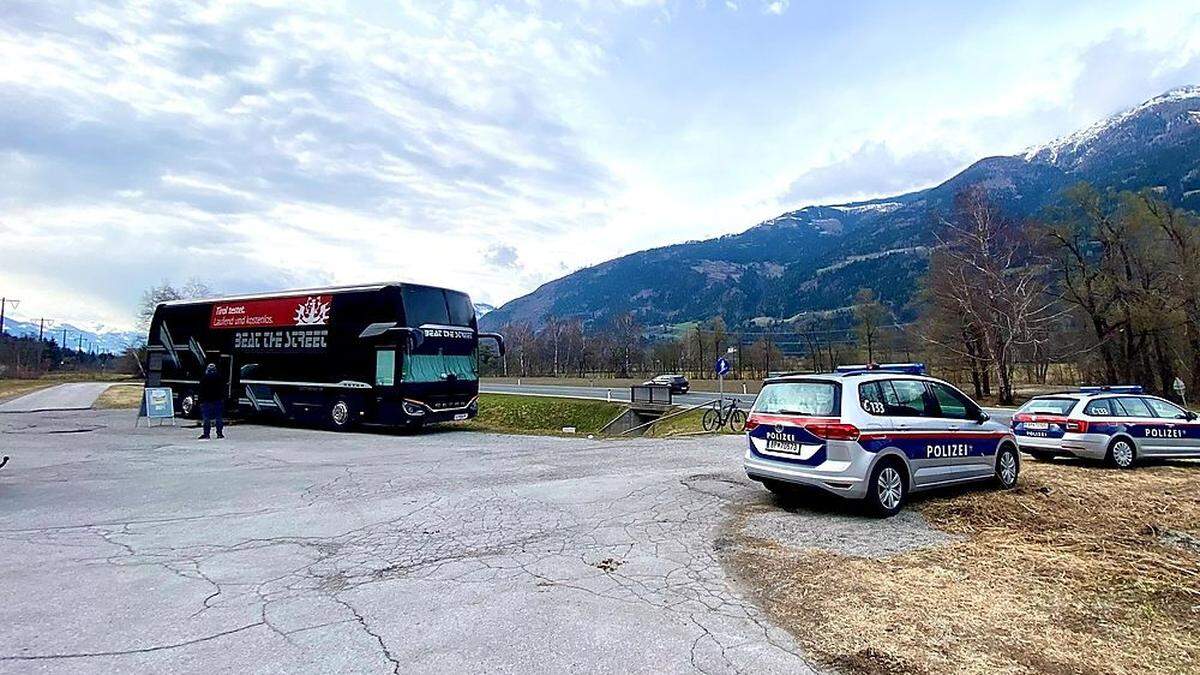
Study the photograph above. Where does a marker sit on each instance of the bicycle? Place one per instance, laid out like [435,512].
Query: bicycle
[719,416]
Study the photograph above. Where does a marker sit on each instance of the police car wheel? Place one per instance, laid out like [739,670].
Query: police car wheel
[1008,466]
[1122,454]
[887,491]
[341,414]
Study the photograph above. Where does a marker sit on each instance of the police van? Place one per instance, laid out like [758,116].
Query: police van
[875,433]
[1117,424]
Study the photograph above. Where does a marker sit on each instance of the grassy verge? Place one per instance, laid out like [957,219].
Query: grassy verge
[506,413]
[686,424]
[1079,569]
[12,388]
[127,395]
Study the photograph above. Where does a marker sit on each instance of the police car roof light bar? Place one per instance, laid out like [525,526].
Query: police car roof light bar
[903,368]
[1114,389]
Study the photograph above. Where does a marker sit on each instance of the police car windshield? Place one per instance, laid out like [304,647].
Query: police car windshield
[798,398]
[1049,406]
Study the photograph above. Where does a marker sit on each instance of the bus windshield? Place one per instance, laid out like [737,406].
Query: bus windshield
[423,305]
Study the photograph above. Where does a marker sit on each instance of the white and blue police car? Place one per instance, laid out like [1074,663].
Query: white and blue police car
[1117,424]
[875,433]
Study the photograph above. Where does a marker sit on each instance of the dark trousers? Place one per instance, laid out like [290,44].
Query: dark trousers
[213,410]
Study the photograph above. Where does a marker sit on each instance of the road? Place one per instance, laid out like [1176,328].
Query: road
[1002,415]
[295,550]
[71,396]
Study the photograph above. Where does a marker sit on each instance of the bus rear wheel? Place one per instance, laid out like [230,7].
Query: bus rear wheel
[341,414]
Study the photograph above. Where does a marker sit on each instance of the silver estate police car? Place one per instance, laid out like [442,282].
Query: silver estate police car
[874,433]
[1115,424]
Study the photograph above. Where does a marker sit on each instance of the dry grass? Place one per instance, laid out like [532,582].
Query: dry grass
[1078,570]
[120,396]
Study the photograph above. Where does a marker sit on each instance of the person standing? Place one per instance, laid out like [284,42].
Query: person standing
[212,400]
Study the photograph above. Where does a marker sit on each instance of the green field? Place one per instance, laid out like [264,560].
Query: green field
[507,413]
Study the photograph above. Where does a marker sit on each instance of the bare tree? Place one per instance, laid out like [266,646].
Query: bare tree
[165,292]
[869,315]
[984,272]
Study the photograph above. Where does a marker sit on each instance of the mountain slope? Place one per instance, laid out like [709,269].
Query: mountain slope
[816,258]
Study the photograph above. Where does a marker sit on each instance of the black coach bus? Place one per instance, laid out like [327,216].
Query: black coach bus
[388,353]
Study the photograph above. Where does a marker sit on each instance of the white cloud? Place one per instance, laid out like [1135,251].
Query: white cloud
[490,146]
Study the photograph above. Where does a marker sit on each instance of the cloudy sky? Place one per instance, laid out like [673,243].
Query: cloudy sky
[494,146]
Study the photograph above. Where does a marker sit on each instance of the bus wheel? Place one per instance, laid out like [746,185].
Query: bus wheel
[341,415]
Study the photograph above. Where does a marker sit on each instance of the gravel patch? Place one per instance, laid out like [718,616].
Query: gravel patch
[846,534]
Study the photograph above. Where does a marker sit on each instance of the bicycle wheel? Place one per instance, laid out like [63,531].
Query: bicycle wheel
[712,420]
[737,421]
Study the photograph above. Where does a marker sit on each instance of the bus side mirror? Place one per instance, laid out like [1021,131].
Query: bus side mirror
[497,337]
[416,338]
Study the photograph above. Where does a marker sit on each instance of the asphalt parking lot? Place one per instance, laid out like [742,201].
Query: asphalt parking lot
[285,549]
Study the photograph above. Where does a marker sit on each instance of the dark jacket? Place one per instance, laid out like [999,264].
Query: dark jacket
[212,387]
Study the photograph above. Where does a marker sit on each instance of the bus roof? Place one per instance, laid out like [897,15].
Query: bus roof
[296,291]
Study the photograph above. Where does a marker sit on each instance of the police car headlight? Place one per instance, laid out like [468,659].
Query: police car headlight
[413,410]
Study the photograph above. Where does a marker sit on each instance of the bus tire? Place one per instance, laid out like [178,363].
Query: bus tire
[341,413]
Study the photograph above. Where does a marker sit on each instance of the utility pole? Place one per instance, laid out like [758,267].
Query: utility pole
[64,340]
[41,329]
[3,302]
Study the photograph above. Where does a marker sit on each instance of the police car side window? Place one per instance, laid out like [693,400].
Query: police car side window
[951,403]
[1099,408]
[1134,407]
[871,397]
[912,399]
[1165,410]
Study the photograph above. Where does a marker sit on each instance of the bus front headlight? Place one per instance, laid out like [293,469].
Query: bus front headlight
[413,410]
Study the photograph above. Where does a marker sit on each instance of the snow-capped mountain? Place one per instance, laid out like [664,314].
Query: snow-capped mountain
[97,338]
[1161,121]
[482,309]
[816,258]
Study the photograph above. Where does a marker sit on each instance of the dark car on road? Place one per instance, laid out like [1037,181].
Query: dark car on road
[678,383]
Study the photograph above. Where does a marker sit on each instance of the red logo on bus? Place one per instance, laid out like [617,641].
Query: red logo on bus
[310,310]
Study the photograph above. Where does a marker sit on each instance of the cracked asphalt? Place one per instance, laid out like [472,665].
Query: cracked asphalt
[286,549]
